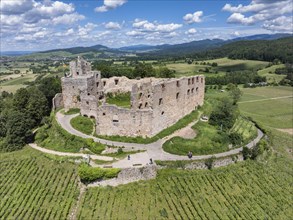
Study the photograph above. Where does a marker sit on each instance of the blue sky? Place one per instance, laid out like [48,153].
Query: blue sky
[49,24]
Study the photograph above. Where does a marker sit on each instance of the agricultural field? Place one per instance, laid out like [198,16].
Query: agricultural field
[249,190]
[32,186]
[270,75]
[270,106]
[224,65]
[17,82]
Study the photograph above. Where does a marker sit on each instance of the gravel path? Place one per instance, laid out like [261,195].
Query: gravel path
[58,153]
[153,150]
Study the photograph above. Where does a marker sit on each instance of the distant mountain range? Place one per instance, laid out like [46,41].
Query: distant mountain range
[144,50]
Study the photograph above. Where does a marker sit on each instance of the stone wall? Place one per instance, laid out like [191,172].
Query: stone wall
[112,120]
[129,175]
[219,162]
[57,101]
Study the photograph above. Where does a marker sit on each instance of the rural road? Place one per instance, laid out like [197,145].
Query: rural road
[259,100]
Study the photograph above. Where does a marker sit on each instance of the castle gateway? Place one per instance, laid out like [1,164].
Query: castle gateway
[155,104]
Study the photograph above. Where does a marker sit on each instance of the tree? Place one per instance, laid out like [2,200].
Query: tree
[37,105]
[234,92]
[20,99]
[224,115]
[143,70]
[164,72]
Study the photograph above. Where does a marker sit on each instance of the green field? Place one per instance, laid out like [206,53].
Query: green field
[14,84]
[276,113]
[224,65]
[35,187]
[269,73]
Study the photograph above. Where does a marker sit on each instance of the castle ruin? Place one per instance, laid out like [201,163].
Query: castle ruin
[155,104]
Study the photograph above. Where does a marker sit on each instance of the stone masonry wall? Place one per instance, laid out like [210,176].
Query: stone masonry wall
[112,120]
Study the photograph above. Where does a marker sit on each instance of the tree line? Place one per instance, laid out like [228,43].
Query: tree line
[24,111]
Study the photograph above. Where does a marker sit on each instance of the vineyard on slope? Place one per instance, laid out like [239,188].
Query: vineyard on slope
[247,190]
[35,187]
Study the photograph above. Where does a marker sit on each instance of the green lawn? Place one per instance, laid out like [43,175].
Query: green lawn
[54,137]
[277,113]
[83,124]
[120,99]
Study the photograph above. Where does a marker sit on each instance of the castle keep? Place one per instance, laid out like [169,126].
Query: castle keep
[155,103]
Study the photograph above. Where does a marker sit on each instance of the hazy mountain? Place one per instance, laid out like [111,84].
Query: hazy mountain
[15,53]
[100,51]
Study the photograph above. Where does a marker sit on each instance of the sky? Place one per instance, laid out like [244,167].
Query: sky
[34,25]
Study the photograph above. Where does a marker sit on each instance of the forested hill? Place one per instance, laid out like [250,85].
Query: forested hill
[264,50]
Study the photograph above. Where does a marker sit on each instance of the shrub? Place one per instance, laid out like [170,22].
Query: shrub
[235,138]
[210,162]
[112,172]
[88,174]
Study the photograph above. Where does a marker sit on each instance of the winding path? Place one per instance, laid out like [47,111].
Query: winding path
[153,150]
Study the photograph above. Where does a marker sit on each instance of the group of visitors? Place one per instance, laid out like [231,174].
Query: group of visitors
[189,154]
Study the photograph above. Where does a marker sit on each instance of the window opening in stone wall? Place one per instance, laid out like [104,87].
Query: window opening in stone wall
[77,73]
[188,81]
[116,81]
[104,113]
[188,91]
[92,116]
[196,89]
[87,102]
[146,105]
[162,113]
[115,119]
[197,79]
[97,84]
[177,95]
[85,115]
[140,105]
[104,83]
[192,90]
[192,81]
[160,101]
[163,86]
[140,95]
[149,96]
[177,84]
[88,94]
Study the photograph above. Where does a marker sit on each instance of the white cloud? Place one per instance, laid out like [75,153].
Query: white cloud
[191,31]
[110,4]
[146,26]
[193,18]
[68,19]
[240,18]
[259,11]
[134,33]
[283,24]
[113,25]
